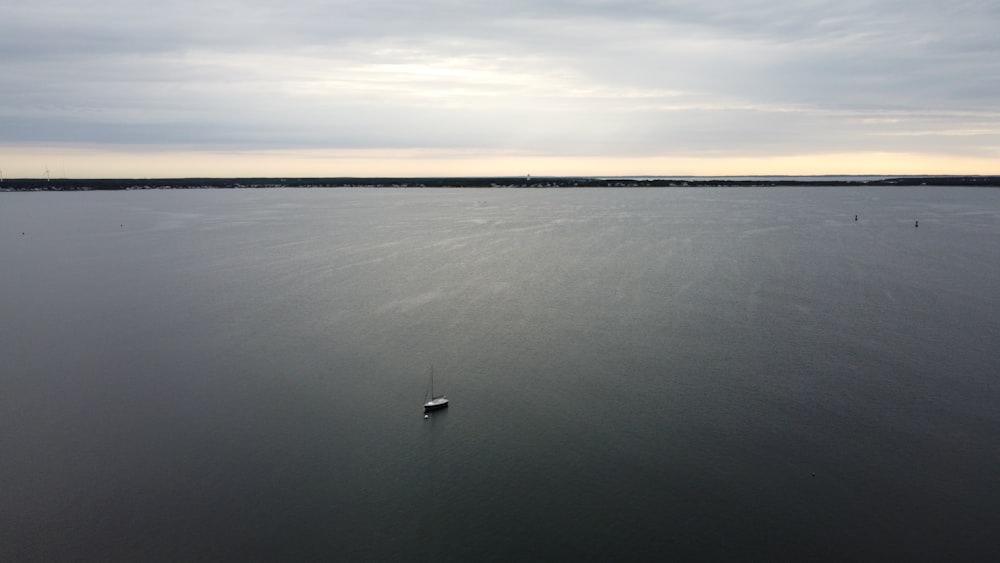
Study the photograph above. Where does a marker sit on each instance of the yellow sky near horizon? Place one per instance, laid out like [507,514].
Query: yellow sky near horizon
[109,163]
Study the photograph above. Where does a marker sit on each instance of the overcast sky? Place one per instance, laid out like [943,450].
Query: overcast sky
[133,88]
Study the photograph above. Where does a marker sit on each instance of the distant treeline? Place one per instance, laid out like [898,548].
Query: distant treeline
[68,184]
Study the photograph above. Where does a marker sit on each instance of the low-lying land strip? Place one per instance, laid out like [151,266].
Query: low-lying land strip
[69,184]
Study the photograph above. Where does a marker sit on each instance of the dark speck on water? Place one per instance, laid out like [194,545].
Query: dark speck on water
[638,374]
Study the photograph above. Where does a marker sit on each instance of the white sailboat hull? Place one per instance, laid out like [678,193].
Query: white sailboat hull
[436,403]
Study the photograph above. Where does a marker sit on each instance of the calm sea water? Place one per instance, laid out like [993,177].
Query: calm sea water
[685,374]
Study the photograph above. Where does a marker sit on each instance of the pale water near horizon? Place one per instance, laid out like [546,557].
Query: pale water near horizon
[635,374]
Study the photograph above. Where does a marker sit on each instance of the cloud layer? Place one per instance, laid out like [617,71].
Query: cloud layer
[541,78]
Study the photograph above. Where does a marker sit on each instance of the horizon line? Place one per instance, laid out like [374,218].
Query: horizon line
[527,177]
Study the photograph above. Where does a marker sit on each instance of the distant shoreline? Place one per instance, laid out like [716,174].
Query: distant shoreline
[69,184]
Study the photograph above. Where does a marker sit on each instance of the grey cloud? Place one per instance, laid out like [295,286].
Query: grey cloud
[534,75]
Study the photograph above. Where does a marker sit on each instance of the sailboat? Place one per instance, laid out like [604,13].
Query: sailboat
[436,402]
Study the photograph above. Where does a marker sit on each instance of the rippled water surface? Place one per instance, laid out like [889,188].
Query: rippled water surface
[634,374]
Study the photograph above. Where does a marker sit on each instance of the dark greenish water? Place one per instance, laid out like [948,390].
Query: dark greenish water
[681,374]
